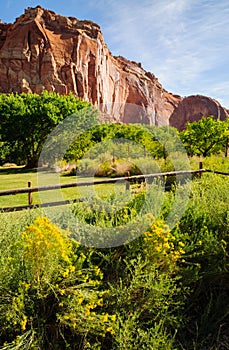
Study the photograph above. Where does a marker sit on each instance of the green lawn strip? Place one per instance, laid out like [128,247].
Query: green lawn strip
[17,178]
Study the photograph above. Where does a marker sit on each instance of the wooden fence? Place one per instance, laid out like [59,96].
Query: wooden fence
[127,179]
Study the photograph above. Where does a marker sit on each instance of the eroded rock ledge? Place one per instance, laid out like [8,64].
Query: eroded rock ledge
[43,50]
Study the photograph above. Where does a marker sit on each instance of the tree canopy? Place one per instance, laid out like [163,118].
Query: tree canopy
[205,137]
[156,141]
[27,119]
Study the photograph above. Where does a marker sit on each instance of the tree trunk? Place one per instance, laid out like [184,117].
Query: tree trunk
[32,163]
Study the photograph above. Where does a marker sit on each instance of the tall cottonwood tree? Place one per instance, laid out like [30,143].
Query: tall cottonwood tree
[27,119]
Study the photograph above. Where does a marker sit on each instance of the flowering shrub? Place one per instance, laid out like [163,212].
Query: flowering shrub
[56,294]
[162,247]
[110,212]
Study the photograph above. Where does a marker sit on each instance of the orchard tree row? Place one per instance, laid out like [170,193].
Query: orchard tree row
[26,120]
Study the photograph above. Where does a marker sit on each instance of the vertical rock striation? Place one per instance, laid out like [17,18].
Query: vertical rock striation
[46,51]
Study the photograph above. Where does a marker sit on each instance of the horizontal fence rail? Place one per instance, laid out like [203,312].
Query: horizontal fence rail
[36,206]
[216,172]
[128,179]
[97,182]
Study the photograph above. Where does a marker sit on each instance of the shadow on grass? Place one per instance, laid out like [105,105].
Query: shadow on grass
[17,170]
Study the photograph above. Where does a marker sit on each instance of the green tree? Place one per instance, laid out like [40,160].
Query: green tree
[27,119]
[204,137]
[158,142]
[167,141]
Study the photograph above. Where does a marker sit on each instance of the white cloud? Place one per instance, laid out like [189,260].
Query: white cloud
[180,41]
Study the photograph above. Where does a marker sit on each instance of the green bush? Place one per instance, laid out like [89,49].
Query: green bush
[145,289]
[51,295]
[204,229]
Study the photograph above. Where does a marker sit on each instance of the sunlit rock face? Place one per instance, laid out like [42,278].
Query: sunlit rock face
[46,51]
[193,108]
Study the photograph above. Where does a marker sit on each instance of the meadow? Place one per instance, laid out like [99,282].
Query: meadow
[18,177]
[166,288]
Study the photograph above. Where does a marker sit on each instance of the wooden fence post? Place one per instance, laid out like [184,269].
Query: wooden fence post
[30,196]
[127,182]
[227,147]
[200,168]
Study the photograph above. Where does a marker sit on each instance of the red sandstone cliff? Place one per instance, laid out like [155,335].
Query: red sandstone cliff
[43,50]
[193,108]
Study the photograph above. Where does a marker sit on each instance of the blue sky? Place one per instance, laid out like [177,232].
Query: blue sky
[185,43]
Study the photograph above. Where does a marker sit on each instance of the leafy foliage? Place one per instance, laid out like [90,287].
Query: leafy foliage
[128,140]
[27,119]
[205,137]
[167,289]
[54,290]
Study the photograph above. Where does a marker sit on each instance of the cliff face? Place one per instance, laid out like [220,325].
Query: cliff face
[193,108]
[43,50]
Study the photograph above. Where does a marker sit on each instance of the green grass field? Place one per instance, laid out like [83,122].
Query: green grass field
[18,177]
[13,178]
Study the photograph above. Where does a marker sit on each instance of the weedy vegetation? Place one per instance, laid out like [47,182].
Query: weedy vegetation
[164,287]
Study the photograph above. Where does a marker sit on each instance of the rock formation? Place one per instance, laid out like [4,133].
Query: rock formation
[193,108]
[44,50]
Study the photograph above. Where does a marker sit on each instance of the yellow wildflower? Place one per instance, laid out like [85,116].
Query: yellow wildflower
[97,271]
[23,323]
[113,317]
[72,268]
[110,330]
[166,245]
[105,318]
[87,312]
[65,273]
[100,302]
[80,300]
[158,249]
[27,285]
